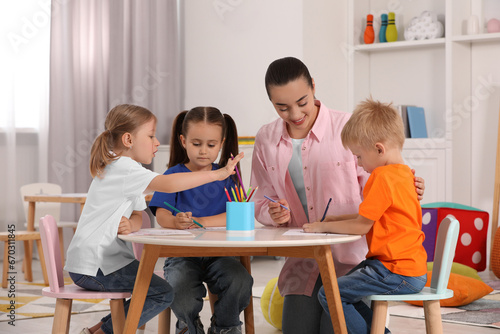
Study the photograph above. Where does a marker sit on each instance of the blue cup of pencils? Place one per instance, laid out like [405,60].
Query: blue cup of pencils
[240,218]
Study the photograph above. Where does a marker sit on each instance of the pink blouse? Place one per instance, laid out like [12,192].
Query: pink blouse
[329,171]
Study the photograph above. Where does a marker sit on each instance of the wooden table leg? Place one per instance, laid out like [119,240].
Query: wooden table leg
[150,254]
[28,250]
[248,312]
[323,256]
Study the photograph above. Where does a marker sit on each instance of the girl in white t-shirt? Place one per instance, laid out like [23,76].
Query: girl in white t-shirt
[97,259]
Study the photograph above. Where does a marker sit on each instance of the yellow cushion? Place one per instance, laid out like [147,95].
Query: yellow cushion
[461,269]
[271,303]
[465,290]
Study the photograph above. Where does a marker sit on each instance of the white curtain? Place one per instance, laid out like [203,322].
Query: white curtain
[104,53]
[24,84]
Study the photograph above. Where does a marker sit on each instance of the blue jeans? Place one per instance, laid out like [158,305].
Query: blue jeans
[370,277]
[225,277]
[158,298]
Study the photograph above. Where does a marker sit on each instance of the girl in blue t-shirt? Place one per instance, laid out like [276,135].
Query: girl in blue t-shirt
[198,135]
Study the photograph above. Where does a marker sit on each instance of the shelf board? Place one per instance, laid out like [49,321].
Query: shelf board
[477,38]
[425,143]
[399,45]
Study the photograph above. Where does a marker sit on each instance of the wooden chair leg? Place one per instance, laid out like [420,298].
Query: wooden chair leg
[61,243]
[164,321]
[212,299]
[248,312]
[62,316]
[5,264]
[42,262]
[117,315]
[379,308]
[432,312]
[28,274]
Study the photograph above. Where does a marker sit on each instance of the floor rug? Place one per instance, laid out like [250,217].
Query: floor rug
[29,303]
[482,312]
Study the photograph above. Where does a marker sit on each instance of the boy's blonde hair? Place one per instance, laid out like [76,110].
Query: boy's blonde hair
[374,122]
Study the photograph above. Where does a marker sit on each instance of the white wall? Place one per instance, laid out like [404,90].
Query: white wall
[229,45]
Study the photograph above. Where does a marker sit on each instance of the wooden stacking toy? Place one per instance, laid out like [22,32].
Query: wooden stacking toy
[369,33]
[383,28]
[391,33]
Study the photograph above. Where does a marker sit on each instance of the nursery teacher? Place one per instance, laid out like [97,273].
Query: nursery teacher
[299,161]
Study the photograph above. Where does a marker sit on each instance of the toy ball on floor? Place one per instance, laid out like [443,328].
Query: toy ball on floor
[271,303]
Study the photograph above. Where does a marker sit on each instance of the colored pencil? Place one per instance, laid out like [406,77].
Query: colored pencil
[238,194]
[178,211]
[227,194]
[251,194]
[243,195]
[234,195]
[326,210]
[238,174]
[272,200]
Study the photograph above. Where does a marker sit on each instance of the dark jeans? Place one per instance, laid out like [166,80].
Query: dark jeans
[159,297]
[225,276]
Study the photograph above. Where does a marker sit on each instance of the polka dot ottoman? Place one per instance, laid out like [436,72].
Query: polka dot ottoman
[471,246]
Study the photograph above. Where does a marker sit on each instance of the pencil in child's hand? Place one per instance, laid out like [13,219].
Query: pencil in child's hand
[179,211]
[238,173]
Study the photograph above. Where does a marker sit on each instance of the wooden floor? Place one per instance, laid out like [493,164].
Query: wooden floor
[263,269]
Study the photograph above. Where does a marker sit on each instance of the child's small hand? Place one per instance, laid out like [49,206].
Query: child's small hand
[125,226]
[278,214]
[314,227]
[183,220]
[225,172]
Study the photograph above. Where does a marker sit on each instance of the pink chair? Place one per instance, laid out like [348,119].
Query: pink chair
[66,293]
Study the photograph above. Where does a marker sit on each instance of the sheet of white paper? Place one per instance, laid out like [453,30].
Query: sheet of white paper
[217,228]
[161,231]
[299,231]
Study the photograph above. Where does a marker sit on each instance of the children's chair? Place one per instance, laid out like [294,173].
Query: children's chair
[446,243]
[66,293]
[46,208]
[8,256]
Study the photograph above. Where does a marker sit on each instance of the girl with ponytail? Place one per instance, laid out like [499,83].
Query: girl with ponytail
[198,137]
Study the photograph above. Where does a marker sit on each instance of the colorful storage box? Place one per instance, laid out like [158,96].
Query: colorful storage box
[471,247]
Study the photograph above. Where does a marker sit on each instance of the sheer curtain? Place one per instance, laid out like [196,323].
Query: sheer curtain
[24,84]
[105,53]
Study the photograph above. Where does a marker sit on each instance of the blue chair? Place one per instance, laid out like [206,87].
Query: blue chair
[443,258]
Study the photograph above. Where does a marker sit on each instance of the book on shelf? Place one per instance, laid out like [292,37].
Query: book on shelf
[404,116]
[416,122]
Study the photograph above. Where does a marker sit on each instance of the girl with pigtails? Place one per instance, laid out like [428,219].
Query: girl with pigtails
[198,136]
[97,259]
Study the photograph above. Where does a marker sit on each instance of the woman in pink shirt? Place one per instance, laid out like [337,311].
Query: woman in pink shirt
[299,160]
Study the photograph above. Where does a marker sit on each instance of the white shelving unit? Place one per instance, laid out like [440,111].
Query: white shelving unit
[434,74]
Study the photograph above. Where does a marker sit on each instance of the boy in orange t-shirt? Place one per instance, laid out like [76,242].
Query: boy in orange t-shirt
[390,216]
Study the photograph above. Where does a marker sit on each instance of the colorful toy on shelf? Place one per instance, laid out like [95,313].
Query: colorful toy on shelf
[493,25]
[369,36]
[391,33]
[383,28]
[425,26]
